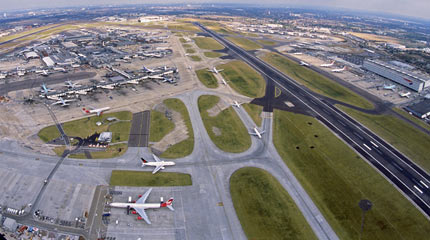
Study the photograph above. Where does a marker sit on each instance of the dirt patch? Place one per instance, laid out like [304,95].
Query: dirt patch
[179,133]
[215,110]
[216,131]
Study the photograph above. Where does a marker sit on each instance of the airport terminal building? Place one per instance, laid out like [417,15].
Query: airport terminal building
[396,74]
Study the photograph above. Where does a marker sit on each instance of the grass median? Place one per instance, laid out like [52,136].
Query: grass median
[264,208]
[212,54]
[207,43]
[243,79]
[207,78]
[336,179]
[254,111]
[195,58]
[85,127]
[160,126]
[147,179]
[412,142]
[226,128]
[245,43]
[315,81]
[185,147]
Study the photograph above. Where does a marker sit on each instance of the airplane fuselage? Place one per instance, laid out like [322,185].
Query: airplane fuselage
[136,205]
[156,164]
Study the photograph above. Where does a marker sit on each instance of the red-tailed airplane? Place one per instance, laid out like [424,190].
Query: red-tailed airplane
[139,206]
[97,111]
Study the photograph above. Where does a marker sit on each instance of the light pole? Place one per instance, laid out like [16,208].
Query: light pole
[365,206]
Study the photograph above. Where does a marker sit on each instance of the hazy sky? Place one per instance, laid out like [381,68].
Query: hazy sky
[417,8]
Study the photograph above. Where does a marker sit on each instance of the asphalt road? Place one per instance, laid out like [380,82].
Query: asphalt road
[139,131]
[37,81]
[401,171]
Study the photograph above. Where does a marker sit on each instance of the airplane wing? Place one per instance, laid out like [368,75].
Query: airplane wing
[156,158]
[157,168]
[253,133]
[99,113]
[142,213]
[262,132]
[144,197]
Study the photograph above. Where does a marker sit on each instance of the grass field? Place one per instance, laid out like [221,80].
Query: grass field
[409,140]
[185,147]
[186,45]
[213,54]
[195,58]
[190,50]
[254,111]
[232,136]
[244,43]
[111,152]
[182,40]
[412,118]
[207,78]
[147,179]
[84,127]
[315,81]
[23,33]
[243,79]
[264,208]
[160,126]
[337,179]
[183,27]
[267,42]
[207,43]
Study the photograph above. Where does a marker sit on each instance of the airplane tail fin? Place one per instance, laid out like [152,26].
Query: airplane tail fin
[85,110]
[143,161]
[169,204]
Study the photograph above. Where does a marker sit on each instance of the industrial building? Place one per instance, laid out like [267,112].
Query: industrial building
[399,75]
[421,109]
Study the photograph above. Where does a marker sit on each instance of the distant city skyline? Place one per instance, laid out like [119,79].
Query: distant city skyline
[414,8]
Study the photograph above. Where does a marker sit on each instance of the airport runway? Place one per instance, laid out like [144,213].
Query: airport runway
[37,81]
[401,171]
[139,131]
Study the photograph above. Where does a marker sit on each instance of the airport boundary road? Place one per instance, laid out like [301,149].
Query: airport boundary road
[402,172]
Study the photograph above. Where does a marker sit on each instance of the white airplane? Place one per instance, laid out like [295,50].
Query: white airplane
[108,86]
[3,75]
[214,70]
[236,104]
[405,94]
[298,53]
[223,81]
[45,72]
[133,81]
[97,111]
[257,133]
[70,84]
[157,77]
[339,70]
[148,70]
[389,87]
[327,64]
[64,103]
[169,80]
[158,164]
[45,90]
[304,63]
[139,206]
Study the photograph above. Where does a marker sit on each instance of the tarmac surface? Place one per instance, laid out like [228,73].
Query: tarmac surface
[139,131]
[37,81]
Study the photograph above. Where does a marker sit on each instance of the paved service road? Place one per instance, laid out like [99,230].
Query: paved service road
[405,174]
[139,131]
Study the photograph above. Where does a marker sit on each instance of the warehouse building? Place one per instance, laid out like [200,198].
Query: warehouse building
[421,109]
[399,75]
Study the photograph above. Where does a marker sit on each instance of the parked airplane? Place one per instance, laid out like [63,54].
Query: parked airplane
[45,72]
[389,87]
[45,90]
[339,70]
[298,53]
[108,86]
[405,94]
[223,81]
[132,81]
[139,206]
[148,70]
[70,84]
[158,164]
[236,104]
[257,133]
[63,102]
[3,75]
[327,64]
[169,80]
[214,70]
[97,111]
[304,63]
